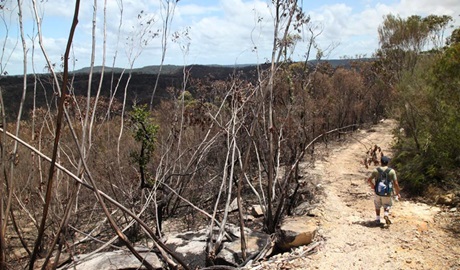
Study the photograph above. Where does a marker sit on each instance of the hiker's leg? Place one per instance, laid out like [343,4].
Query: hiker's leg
[378,205]
[386,201]
[386,210]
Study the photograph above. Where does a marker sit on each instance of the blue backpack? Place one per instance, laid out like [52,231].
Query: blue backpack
[383,183]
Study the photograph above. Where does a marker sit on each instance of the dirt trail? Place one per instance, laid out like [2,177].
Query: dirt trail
[346,221]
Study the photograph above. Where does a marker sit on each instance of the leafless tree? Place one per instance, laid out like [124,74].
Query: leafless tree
[167,13]
[219,140]
[14,157]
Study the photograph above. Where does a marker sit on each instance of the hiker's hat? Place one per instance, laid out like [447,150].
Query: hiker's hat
[385,160]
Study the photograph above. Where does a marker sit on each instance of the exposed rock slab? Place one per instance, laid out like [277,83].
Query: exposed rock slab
[113,260]
[231,251]
[295,232]
[191,246]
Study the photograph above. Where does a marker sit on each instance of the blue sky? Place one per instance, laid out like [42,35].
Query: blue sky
[219,31]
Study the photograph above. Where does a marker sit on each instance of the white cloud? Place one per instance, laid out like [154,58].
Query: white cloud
[228,36]
[221,32]
[356,31]
[195,10]
[426,7]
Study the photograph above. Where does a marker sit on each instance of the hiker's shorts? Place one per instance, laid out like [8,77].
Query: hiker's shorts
[384,201]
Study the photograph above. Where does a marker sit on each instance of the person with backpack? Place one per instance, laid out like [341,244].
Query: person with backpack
[384,182]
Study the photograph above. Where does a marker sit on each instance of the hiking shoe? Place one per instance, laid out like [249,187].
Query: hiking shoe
[387,220]
[377,222]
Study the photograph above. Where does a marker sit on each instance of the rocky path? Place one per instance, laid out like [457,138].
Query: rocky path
[350,238]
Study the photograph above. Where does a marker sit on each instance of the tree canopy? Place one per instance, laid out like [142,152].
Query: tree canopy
[425,78]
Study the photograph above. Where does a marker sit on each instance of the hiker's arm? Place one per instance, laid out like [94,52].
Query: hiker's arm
[369,180]
[397,189]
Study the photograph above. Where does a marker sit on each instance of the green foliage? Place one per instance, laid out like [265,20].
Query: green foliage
[411,171]
[428,101]
[454,37]
[186,96]
[444,107]
[145,133]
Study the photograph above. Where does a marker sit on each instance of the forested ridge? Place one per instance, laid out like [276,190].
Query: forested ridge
[99,160]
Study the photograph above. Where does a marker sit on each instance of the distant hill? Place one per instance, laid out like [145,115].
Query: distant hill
[140,86]
[211,69]
[165,69]
[341,62]
[214,72]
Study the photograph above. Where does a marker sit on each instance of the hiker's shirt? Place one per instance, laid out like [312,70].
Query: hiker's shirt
[386,200]
[391,174]
[375,174]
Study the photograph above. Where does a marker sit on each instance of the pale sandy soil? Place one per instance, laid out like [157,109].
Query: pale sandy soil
[349,239]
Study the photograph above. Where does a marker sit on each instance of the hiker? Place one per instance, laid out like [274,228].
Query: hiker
[382,181]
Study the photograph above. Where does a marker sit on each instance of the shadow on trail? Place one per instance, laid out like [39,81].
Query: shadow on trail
[371,224]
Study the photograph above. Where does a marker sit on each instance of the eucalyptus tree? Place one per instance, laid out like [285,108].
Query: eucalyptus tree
[411,59]
[402,40]
[428,149]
